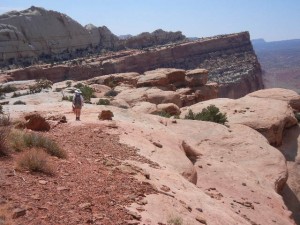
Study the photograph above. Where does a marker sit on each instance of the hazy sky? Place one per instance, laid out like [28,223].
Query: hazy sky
[268,19]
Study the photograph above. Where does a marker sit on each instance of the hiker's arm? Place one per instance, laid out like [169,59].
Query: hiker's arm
[82,101]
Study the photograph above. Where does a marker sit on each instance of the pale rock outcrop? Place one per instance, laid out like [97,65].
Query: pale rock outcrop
[235,170]
[120,103]
[153,95]
[197,77]
[289,96]
[145,107]
[62,32]
[100,90]
[162,77]
[268,116]
[157,96]
[157,37]
[116,79]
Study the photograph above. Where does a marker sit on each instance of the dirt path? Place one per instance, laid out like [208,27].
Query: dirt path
[90,187]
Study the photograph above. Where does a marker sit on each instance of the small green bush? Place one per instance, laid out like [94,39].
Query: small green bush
[35,160]
[7,89]
[87,93]
[111,93]
[19,102]
[103,102]
[16,94]
[69,83]
[67,98]
[40,85]
[78,86]
[58,89]
[211,113]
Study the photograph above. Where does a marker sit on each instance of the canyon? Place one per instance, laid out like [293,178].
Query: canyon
[145,163]
[230,59]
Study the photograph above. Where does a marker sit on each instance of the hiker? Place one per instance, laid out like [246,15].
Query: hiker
[77,103]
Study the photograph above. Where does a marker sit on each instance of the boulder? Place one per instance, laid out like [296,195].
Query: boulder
[157,96]
[100,90]
[162,77]
[145,107]
[196,77]
[120,103]
[36,122]
[289,96]
[206,92]
[169,108]
[105,115]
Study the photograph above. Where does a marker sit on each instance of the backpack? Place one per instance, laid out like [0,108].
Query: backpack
[77,101]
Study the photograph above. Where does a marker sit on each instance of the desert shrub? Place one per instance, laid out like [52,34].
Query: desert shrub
[19,102]
[37,140]
[297,115]
[4,120]
[111,93]
[163,114]
[7,89]
[1,109]
[103,102]
[4,149]
[58,89]
[20,140]
[67,98]
[69,83]
[78,86]
[211,113]
[175,220]
[40,85]
[35,160]
[87,92]
[16,94]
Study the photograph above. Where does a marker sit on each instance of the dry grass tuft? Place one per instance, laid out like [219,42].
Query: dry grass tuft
[4,120]
[35,160]
[4,149]
[20,140]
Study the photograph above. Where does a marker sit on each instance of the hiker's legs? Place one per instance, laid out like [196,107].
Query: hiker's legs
[77,113]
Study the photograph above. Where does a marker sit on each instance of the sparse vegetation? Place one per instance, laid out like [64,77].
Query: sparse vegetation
[35,160]
[175,220]
[4,149]
[7,89]
[58,89]
[79,85]
[20,140]
[163,114]
[69,83]
[87,93]
[67,98]
[19,102]
[16,94]
[103,102]
[111,93]
[4,120]
[40,85]
[211,113]
[1,109]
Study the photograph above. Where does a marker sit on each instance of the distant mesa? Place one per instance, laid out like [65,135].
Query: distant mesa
[36,36]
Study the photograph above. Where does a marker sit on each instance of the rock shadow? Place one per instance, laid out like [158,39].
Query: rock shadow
[292,202]
[289,147]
